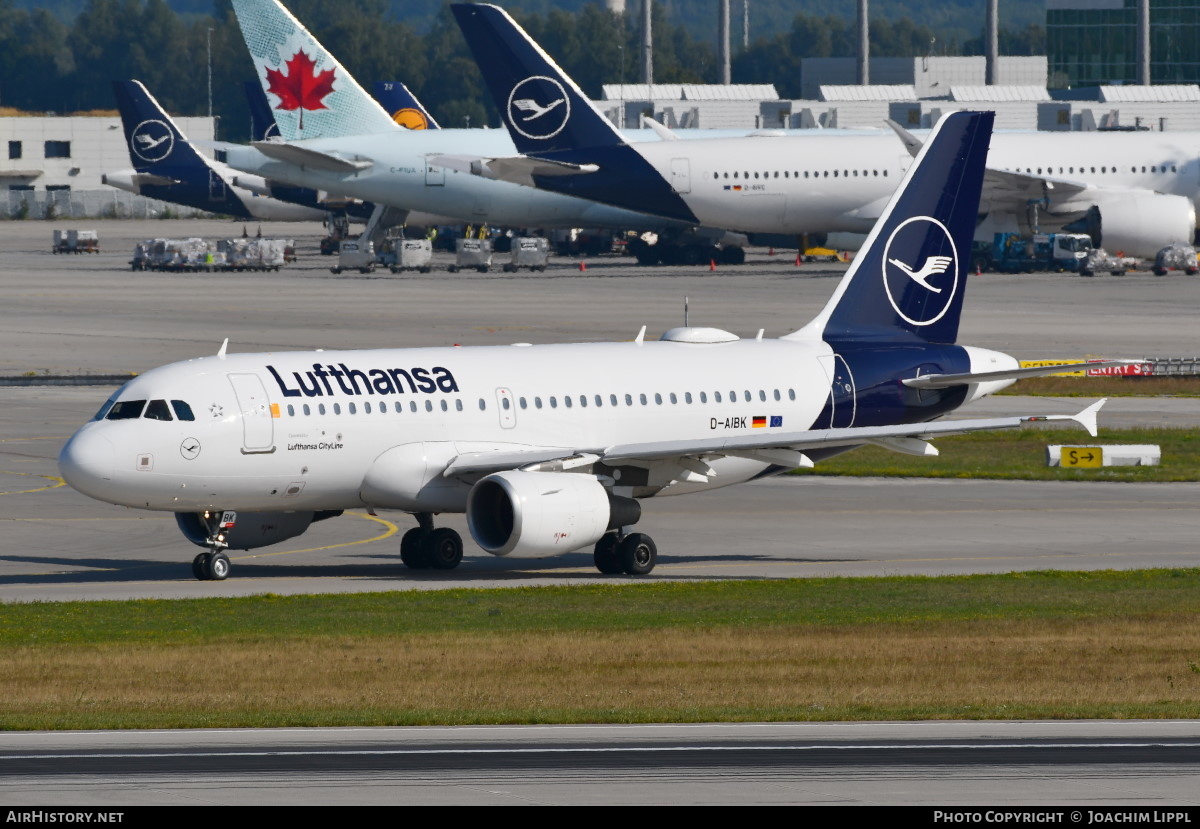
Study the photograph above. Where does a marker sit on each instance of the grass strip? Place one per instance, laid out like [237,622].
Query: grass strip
[1107,387]
[1021,455]
[1022,645]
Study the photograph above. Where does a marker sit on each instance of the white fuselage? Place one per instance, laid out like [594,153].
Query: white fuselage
[312,451]
[809,182]
[401,177]
[815,183]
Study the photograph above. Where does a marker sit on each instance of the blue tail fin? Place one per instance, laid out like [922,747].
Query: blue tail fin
[403,106]
[262,122]
[542,107]
[155,144]
[169,168]
[908,280]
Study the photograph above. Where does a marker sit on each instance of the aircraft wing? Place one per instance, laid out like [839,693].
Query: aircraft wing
[519,169]
[305,157]
[1004,185]
[907,438]
[783,448]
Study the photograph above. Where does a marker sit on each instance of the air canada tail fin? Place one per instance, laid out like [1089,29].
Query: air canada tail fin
[403,106]
[311,95]
[155,144]
[542,107]
[908,280]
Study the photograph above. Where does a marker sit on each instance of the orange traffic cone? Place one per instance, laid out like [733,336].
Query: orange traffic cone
[583,266]
[771,252]
[799,259]
[712,264]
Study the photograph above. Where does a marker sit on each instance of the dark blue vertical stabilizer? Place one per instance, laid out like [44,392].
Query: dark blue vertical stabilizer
[908,281]
[549,118]
[403,106]
[543,108]
[170,168]
[262,122]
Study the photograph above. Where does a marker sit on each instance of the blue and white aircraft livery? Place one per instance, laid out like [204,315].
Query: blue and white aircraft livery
[1133,192]
[552,448]
[167,167]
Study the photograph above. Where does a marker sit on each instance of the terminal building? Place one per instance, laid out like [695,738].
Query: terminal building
[53,166]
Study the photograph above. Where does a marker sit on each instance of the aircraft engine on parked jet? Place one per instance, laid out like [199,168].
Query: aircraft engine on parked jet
[539,514]
[1133,223]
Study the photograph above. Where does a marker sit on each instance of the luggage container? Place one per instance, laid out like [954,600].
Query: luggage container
[529,252]
[355,254]
[412,255]
[76,241]
[472,253]
[1176,257]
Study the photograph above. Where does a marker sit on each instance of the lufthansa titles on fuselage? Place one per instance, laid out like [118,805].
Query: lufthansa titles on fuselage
[330,380]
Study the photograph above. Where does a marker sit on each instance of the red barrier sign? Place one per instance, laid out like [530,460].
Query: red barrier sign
[1132,370]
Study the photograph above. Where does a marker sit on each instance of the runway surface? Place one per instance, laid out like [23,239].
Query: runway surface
[92,315]
[995,764]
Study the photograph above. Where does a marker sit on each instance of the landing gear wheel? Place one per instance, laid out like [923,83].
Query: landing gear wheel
[732,256]
[200,566]
[218,566]
[443,549]
[637,553]
[605,555]
[413,551]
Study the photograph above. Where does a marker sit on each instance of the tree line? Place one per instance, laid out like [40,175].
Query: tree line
[50,65]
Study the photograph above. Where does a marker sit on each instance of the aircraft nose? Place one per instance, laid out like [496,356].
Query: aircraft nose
[87,462]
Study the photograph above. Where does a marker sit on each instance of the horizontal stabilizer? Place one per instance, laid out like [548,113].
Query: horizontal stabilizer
[517,169]
[945,381]
[304,157]
[150,179]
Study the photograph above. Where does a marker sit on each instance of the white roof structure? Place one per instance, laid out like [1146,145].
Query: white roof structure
[689,92]
[998,93]
[1161,92]
[869,92]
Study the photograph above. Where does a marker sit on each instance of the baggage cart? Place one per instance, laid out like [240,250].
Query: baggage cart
[472,253]
[529,252]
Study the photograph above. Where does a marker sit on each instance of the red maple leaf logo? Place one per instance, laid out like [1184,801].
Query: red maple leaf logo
[301,88]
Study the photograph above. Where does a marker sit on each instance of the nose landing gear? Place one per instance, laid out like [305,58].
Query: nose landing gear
[214,565]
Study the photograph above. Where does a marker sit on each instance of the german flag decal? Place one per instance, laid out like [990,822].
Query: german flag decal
[760,423]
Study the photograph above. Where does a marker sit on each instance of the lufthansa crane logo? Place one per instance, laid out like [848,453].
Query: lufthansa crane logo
[538,107]
[152,141]
[920,270]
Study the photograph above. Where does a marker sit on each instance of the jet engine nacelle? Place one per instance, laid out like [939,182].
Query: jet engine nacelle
[1139,224]
[252,529]
[539,514]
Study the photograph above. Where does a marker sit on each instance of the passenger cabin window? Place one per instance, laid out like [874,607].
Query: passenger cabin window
[127,410]
[182,410]
[157,410]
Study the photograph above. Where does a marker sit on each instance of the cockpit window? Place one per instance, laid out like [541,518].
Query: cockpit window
[126,410]
[107,405]
[157,410]
[182,410]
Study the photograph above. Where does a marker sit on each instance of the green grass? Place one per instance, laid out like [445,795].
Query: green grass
[1026,645]
[1021,455]
[1107,387]
[648,605]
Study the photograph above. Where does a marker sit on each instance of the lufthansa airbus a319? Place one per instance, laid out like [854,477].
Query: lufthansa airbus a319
[552,448]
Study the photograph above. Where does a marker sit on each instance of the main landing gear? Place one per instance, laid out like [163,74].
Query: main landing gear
[632,553]
[214,565]
[427,547]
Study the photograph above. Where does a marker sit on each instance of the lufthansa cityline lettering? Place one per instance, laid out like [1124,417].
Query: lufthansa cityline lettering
[329,379]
